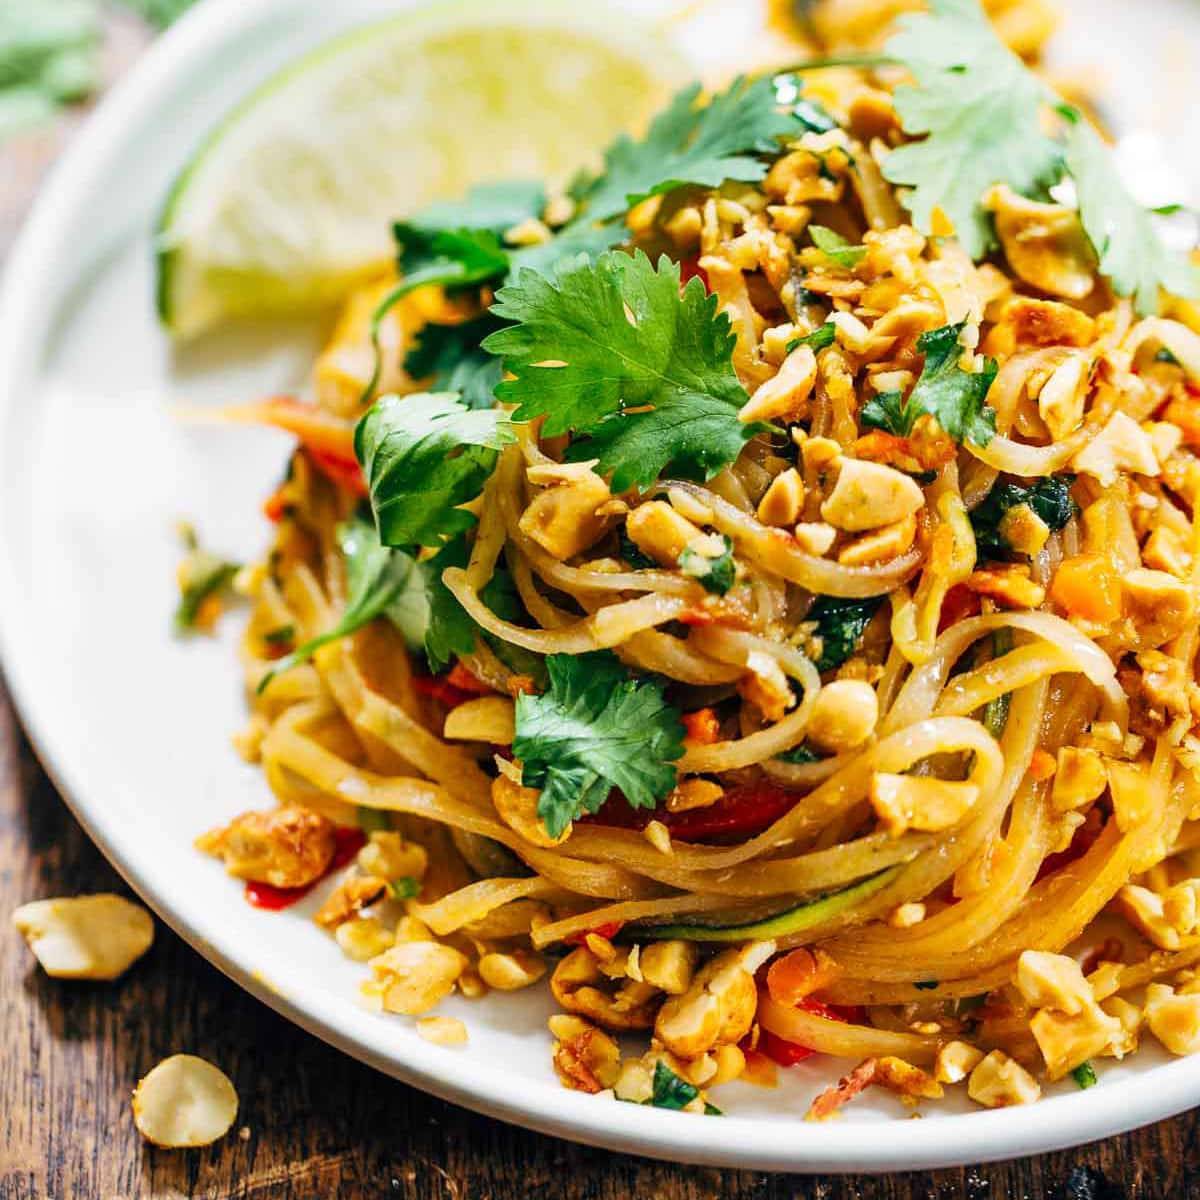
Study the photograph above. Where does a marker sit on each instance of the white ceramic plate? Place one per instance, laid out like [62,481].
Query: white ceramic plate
[135,726]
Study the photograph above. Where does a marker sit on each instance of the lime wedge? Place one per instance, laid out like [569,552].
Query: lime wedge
[291,199]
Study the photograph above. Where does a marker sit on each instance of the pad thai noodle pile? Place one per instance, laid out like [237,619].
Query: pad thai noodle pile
[756,591]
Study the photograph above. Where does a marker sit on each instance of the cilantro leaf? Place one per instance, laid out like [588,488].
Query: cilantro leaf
[840,626]
[715,574]
[451,359]
[376,578]
[603,338]
[955,398]
[705,145]
[799,755]
[596,728]
[980,108]
[820,339]
[1085,1076]
[886,411]
[1050,498]
[1122,232]
[205,575]
[669,1090]
[422,457]
[835,247]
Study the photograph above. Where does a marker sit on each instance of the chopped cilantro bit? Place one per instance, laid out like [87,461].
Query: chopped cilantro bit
[835,247]
[283,636]
[840,626]
[819,339]
[669,1090]
[688,143]
[202,576]
[711,1110]
[1085,1076]
[789,94]
[376,577]
[926,985]
[596,728]
[980,109]
[1165,356]
[372,820]
[1049,498]
[632,555]
[626,339]
[955,398]
[1121,231]
[714,574]
[404,888]
[423,457]
[995,714]
[799,755]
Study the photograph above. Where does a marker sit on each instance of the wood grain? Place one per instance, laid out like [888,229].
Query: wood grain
[315,1125]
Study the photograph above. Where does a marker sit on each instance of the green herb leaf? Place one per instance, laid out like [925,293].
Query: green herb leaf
[714,574]
[404,888]
[800,755]
[595,729]
[995,714]
[840,626]
[1085,1076]
[1049,498]
[450,358]
[835,247]
[686,143]
[205,575]
[450,631]
[422,457]
[1131,253]
[789,94]
[669,1090]
[282,636]
[981,110]
[820,339]
[372,820]
[626,338]
[376,576]
[955,398]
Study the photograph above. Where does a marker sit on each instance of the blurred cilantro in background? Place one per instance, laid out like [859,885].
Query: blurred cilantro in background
[50,54]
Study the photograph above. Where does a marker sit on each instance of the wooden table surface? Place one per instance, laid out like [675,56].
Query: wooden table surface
[315,1125]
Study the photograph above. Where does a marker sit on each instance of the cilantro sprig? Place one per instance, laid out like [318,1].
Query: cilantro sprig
[689,143]
[980,116]
[840,628]
[594,729]
[955,398]
[423,457]
[615,352]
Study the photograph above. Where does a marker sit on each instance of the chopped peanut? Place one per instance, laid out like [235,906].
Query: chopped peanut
[955,1061]
[585,1058]
[814,537]
[783,500]
[442,1031]
[785,395]
[576,985]
[1062,397]
[344,902]
[1053,981]
[912,802]
[391,856]
[1173,1018]
[1024,530]
[362,938]
[85,937]
[1122,445]
[510,972]
[660,532]
[413,977]
[669,966]
[999,1081]
[285,847]
[868,495]
[881,546]
[1159,605]
[562,518]
[844,715]
[1079,779]
[694,793]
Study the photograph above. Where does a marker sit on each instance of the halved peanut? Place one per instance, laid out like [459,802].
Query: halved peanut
[184,1101]
[85,937]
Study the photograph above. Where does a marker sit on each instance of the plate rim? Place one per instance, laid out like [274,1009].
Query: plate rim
[846,1147]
